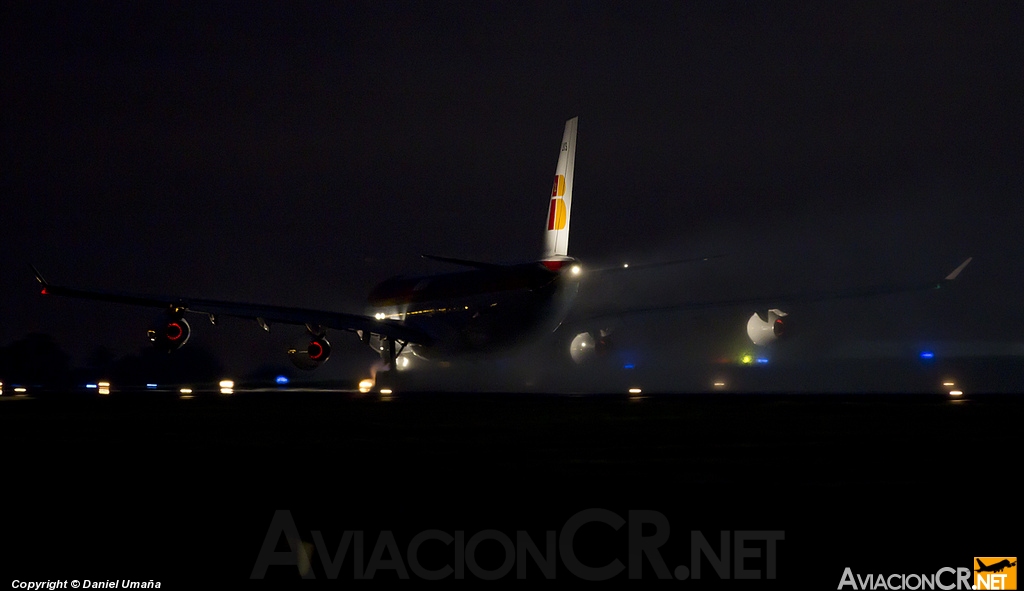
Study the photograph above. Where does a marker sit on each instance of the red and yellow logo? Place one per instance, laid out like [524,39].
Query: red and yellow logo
[558,189]
[995,572]
[556,213]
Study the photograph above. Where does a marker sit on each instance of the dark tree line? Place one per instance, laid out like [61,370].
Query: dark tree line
[35,359]
[38,360]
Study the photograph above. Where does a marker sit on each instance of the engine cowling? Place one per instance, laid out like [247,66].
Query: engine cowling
[311,353]
[769,328]
[170,334]
[585,346]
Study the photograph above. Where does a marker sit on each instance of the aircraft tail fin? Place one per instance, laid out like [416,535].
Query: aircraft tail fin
[556,238]
[981,565]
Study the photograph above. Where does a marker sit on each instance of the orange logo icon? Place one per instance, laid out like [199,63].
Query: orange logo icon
[995,572]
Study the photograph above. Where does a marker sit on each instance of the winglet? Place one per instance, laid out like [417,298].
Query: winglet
[957,271]
[39,276]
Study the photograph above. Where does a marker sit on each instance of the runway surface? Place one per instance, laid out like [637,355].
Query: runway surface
[150,486]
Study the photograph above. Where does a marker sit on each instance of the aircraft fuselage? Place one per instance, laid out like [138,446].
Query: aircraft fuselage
[481,310]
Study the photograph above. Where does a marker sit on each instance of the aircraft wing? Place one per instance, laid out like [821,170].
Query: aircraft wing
[784,299]
[631,267]
[261,313]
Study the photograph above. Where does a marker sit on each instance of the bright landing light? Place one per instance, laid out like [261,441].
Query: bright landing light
[227,386]
[575,269]
[956,393]
[635,390]
[365,386]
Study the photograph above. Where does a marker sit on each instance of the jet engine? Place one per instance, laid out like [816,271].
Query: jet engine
[310,353]
[170,334]
[763,330]
[584,346]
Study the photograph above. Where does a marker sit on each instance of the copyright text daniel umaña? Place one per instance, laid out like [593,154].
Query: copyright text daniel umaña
[84,584]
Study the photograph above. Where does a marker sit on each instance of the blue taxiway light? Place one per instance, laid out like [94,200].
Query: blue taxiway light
[762,360]
[628,366]
[281,380]
[151,386]
[927,355]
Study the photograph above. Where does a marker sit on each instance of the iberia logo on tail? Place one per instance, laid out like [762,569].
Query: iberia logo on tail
[556,215]
[995,572]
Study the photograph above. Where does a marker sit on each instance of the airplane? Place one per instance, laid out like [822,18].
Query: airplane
[487,308]
[994,568]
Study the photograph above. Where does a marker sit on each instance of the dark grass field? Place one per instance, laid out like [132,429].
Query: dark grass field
[150,486]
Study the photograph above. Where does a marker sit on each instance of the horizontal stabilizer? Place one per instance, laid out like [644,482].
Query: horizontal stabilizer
[654,265]
[463,262]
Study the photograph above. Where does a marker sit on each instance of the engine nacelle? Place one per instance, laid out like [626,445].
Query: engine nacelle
[311,353]
[763,331]
[171,334]
[585,346]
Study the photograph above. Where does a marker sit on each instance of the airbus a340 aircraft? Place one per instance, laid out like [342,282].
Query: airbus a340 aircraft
[485,308]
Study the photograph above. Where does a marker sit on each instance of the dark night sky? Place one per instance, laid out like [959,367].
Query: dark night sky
[296,154]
